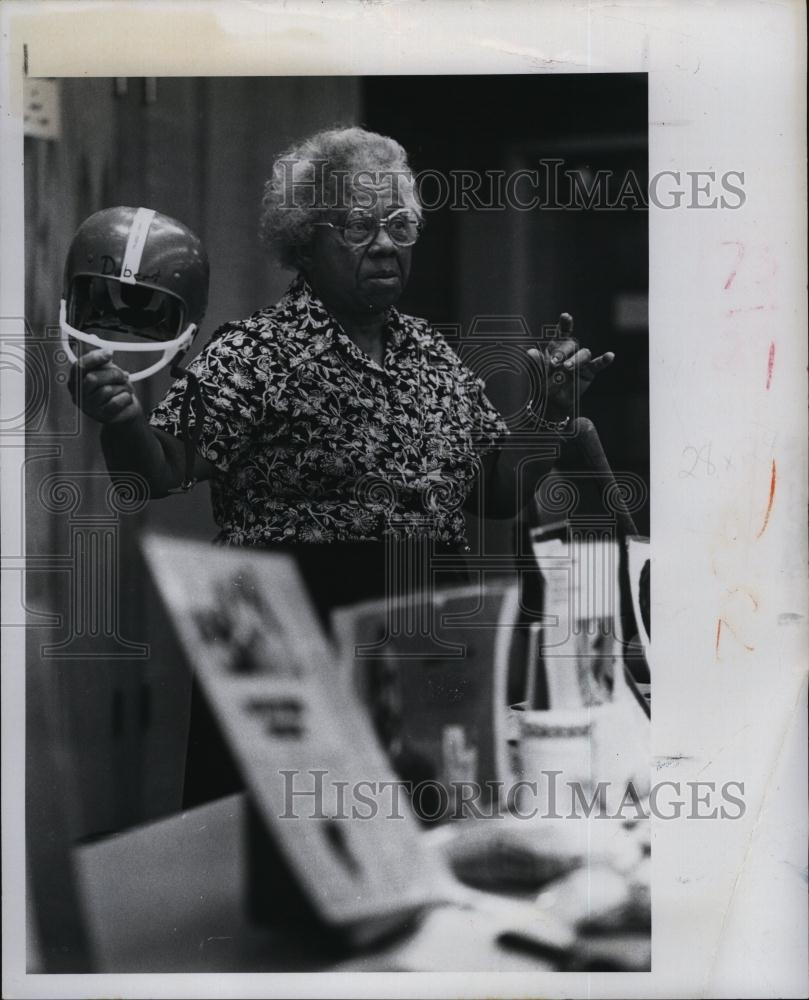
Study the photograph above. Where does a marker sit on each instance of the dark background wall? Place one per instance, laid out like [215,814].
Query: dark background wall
[199,149]
[535,264]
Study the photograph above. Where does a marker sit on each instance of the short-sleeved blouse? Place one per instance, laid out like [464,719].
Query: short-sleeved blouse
[313,441]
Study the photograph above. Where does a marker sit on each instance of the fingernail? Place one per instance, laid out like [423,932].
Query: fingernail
[556,359]
[568,364]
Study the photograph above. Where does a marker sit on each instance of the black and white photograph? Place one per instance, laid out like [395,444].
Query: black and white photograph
[365,423]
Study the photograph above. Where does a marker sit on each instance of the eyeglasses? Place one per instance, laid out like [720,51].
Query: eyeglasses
[361,228]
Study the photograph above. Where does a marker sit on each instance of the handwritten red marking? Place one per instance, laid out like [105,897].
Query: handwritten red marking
[770,362]
[769,502]
[723,621]
[739,258]
[744,590]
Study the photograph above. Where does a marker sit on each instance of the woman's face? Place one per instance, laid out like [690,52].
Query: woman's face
[359,281]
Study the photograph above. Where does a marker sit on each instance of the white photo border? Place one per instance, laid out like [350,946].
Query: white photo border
[728,359]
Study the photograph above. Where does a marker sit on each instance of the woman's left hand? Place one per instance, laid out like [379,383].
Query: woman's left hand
[565,371]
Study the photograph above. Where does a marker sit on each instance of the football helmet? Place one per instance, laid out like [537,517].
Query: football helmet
[135,281]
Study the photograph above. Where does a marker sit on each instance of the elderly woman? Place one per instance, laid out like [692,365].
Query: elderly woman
[332,418]
[336,426]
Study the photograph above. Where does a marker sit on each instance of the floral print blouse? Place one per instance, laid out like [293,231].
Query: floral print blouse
[315,442]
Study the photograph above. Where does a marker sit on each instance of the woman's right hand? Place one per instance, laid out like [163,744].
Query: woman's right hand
[102,390]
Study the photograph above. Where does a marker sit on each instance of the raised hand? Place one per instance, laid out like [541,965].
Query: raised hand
[565,371]
[102,390]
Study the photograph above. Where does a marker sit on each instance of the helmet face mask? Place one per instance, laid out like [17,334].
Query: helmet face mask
[104,305]
[135,281]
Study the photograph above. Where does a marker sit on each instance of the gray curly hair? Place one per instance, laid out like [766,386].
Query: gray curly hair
[328,171]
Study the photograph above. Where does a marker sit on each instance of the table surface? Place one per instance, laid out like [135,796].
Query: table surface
[171,897]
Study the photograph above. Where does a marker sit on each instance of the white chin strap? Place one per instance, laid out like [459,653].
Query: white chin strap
[169,348]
